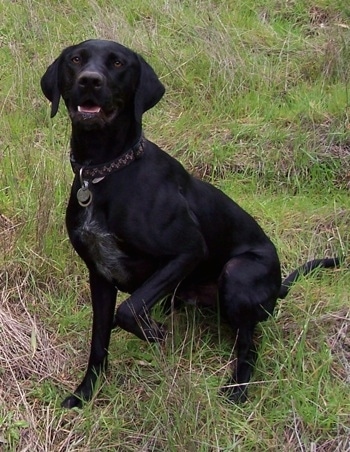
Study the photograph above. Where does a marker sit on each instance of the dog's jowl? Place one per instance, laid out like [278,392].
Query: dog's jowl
[143,225]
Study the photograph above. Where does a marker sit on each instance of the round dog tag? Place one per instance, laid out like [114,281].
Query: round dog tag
[84,196]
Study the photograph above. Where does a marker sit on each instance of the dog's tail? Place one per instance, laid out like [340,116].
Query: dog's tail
[304,270]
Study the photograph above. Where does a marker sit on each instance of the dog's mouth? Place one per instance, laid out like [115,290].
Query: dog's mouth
[91,114]
[90,110]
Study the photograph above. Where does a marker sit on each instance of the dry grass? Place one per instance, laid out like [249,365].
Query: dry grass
[30,355]
[7,236]
[168,382]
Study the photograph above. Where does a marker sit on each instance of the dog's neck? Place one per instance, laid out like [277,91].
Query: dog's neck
[95,173]
[98,146]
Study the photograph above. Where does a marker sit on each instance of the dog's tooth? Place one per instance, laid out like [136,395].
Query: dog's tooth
[82,109]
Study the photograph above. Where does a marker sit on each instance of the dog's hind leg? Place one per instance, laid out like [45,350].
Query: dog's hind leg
[236,388]
[247,294]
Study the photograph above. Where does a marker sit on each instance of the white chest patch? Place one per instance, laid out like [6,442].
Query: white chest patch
[103,248]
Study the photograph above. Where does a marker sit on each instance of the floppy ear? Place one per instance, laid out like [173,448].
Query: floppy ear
[49,86]
[149,91]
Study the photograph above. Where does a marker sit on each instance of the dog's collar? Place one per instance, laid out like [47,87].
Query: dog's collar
[87,172]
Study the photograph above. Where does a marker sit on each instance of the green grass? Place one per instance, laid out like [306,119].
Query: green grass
[258,103]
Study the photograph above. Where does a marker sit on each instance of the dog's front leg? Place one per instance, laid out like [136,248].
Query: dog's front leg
[133,315]
[103,295]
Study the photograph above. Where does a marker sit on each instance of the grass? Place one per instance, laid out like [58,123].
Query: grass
[258,103]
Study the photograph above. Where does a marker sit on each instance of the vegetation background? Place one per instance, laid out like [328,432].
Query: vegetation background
[258,103]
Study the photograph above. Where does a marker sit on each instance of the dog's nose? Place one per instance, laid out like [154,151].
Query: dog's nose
[89,79]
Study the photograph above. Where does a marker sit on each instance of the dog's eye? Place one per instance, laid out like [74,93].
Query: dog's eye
[117,63]
[75,60]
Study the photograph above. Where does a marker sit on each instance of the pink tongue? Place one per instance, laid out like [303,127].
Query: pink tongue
[84,109]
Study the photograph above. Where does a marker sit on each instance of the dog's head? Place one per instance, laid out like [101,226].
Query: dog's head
[98,80]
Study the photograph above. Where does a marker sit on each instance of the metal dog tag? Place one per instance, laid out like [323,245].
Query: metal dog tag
[84,196]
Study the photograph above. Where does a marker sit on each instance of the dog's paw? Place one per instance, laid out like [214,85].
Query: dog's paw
[72,401]
[234,393]
[143,327]
[156,333]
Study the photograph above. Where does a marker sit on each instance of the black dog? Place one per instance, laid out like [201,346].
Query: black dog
[143,225]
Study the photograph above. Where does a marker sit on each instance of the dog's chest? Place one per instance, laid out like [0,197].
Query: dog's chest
[102,248]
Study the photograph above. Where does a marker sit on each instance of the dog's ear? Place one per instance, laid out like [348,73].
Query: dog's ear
[149,91]
[49,86]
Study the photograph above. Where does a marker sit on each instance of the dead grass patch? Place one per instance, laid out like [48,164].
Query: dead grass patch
[8,230]
[338,340]
[31,356]
[28,350]
[284,159]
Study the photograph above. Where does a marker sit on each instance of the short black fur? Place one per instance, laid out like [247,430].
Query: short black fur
[152,229]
